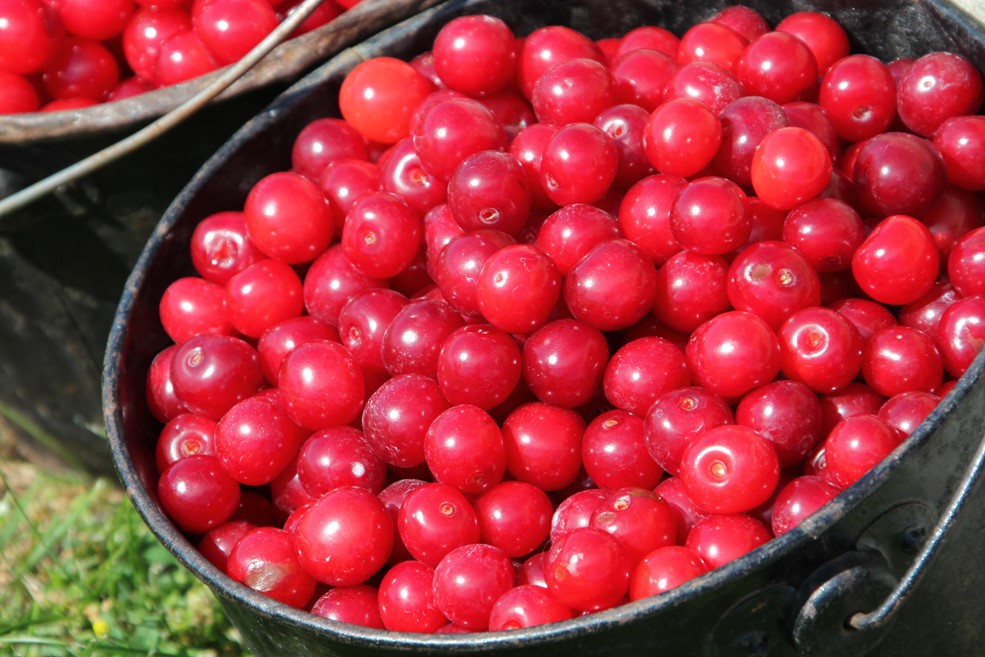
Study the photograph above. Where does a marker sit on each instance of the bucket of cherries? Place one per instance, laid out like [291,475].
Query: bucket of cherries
[592,327]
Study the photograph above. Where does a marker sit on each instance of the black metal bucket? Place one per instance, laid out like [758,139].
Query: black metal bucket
[64,259]
[907,535]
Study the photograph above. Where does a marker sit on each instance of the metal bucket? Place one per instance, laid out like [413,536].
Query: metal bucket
[904,541]
[64,259]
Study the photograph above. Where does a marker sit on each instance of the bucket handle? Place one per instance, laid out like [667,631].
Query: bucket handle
[881,615]
[163,124]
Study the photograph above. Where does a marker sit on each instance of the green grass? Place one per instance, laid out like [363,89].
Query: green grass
[82,576]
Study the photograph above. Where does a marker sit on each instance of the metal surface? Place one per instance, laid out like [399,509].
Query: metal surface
[792,596]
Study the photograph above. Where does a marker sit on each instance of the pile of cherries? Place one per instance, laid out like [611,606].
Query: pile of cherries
[547,324]
[70,54]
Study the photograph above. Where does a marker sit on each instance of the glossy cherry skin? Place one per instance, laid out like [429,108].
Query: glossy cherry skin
[210,373]
[448,132]
[264,560]
[573,91]
[899,359]
[397,416]
[897,173]
[379,96]
[905,411]
[779,66]
[543,445]
[191,306]
[961,334]
[676,418]
[548,46]
[644,215]
[772,280]
[639,518]
[336,457]
[820,348]
[641,75]
[856,445]
[463,448]
[733,353]
[526,605]
[459,264]
[255,440]
[938,86]
[642,370]
[162,401]
[612,287]
[288,218]
[711,216]
[357,605]
[966,264]
[790,166]
[197,494]
[614,452]
[321,385]
[469,580]
[478,364]
[263,295]
[588,569]
[231,28]
[518,288]
[344,537]
[406,599]
[898,262]
[572,231]
[412,341]
[184,435]
[682,136]
[564,362]
[381,235]
[719,539]
[435,519]
[729,469]
[691,289]
[859,94]
[825,37]
[82,68]
[706,82]
[799,499]
[826,231]
[475,55]
[31,35]
[663,569]
[745,122]
[221,248]
[959,140]
[788,414]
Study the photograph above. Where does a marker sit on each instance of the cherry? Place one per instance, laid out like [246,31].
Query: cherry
[288,218]
[966,264]
[719,539]
[648,37]
[854,399]
[264,560]
[856,445]
[181,57]
[185,435]
[255,440]
[898,262]
[435,519]
[463,448]
[402,173]
[475,55]
[729,469]
[898,173]
[773,281]
[644,216]
[790,166]
[219,542]
[336,457]
[642,370]
[221,248]
[543,445]
[356,605]
[711,216]
[344,537]
[518,288]
[488,190]
[682,136]
[381,235]
[280,339]
[712,42]
[955,213]
[363,322]
[671,490]
[412,341]
[460,264]
[676,417]
[323,142]
[614,452]
[329,283]
[779,66]
[478,364]
[571,232]
[573,91]
[191,306]
[263,295]
[578,165]
[210,373]
[743,19]
[745,122]
[378,98]
[663,569]
[588,569]
[899,359]
[31,34]
[469,580]
[961,334]
[925,313]
[826,39]
[639,518]
[612,287]
[197,494]
[691,289]
[626,124]
[826,231]
[733,353]
[447,132]
[938,86]
[905,411]
[859,95]
[706,82]
[798,500]
[321,385]
[820,348]
[959,140]
[526,605]
[406,599]
[547,46]
[82,68]
[161,398]
[788,414]
[640,77]
[231,28]
[17,94]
